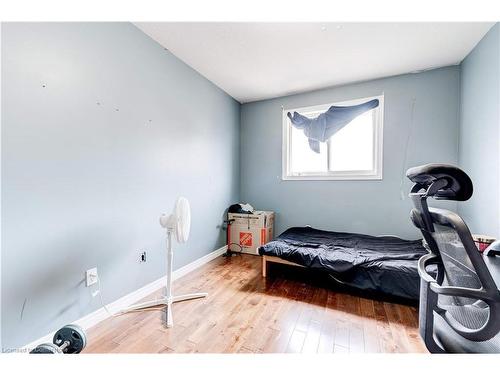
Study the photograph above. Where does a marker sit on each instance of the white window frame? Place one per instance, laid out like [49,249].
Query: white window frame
[378,149]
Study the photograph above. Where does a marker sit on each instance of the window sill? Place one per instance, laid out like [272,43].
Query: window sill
[338,177]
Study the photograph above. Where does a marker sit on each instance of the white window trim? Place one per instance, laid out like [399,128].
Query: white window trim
[376,174]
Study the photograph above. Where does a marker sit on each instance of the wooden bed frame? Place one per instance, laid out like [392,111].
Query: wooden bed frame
[270,259]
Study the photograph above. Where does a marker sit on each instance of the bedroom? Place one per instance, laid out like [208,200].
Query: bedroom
[270,178]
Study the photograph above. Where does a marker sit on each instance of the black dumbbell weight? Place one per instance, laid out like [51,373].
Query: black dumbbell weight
[70,339]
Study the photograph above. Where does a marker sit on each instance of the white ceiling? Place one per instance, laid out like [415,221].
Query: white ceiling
[254,61]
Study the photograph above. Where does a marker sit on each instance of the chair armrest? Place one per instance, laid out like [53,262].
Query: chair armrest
[481,294]
[463,292]
[492,326]
[423,262]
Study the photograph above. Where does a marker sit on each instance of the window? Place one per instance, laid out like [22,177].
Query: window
[353,153]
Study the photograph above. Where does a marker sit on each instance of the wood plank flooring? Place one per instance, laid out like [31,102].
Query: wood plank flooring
[290,311]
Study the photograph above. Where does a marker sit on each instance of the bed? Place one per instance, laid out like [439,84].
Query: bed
[384,264]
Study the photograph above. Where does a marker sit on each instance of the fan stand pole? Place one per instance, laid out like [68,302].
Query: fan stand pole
[168,299]
[168,296]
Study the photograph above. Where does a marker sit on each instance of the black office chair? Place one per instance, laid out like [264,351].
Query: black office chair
[459,300]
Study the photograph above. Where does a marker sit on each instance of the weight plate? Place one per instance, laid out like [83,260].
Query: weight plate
[47,348]
[75,335]
[79,330]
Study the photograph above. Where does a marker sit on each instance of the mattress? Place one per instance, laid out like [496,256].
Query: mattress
[383,264]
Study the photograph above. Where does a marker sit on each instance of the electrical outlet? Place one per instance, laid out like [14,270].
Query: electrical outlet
[91,276]
[142,257]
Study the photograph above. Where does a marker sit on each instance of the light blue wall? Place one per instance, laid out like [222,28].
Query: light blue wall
[480,133]
[83,184]
[373,207]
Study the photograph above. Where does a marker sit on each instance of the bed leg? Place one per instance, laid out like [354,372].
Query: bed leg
[264,266]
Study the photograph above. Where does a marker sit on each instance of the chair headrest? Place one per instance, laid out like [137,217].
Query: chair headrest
[456,184]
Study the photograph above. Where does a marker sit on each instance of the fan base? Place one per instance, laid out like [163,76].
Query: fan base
[165,301]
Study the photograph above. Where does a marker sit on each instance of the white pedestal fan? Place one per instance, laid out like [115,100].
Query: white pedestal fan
[179,223]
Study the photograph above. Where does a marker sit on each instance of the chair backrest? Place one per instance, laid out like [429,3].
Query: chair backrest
[459,270]
[468,296]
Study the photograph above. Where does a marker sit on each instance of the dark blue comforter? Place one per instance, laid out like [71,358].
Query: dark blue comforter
[387,264]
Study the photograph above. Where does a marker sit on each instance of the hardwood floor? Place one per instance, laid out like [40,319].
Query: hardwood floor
[290,311]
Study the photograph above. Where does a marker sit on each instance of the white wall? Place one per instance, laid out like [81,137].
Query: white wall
[479,146]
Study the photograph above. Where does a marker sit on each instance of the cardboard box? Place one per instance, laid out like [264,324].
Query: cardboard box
[482,241]
[250,231]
